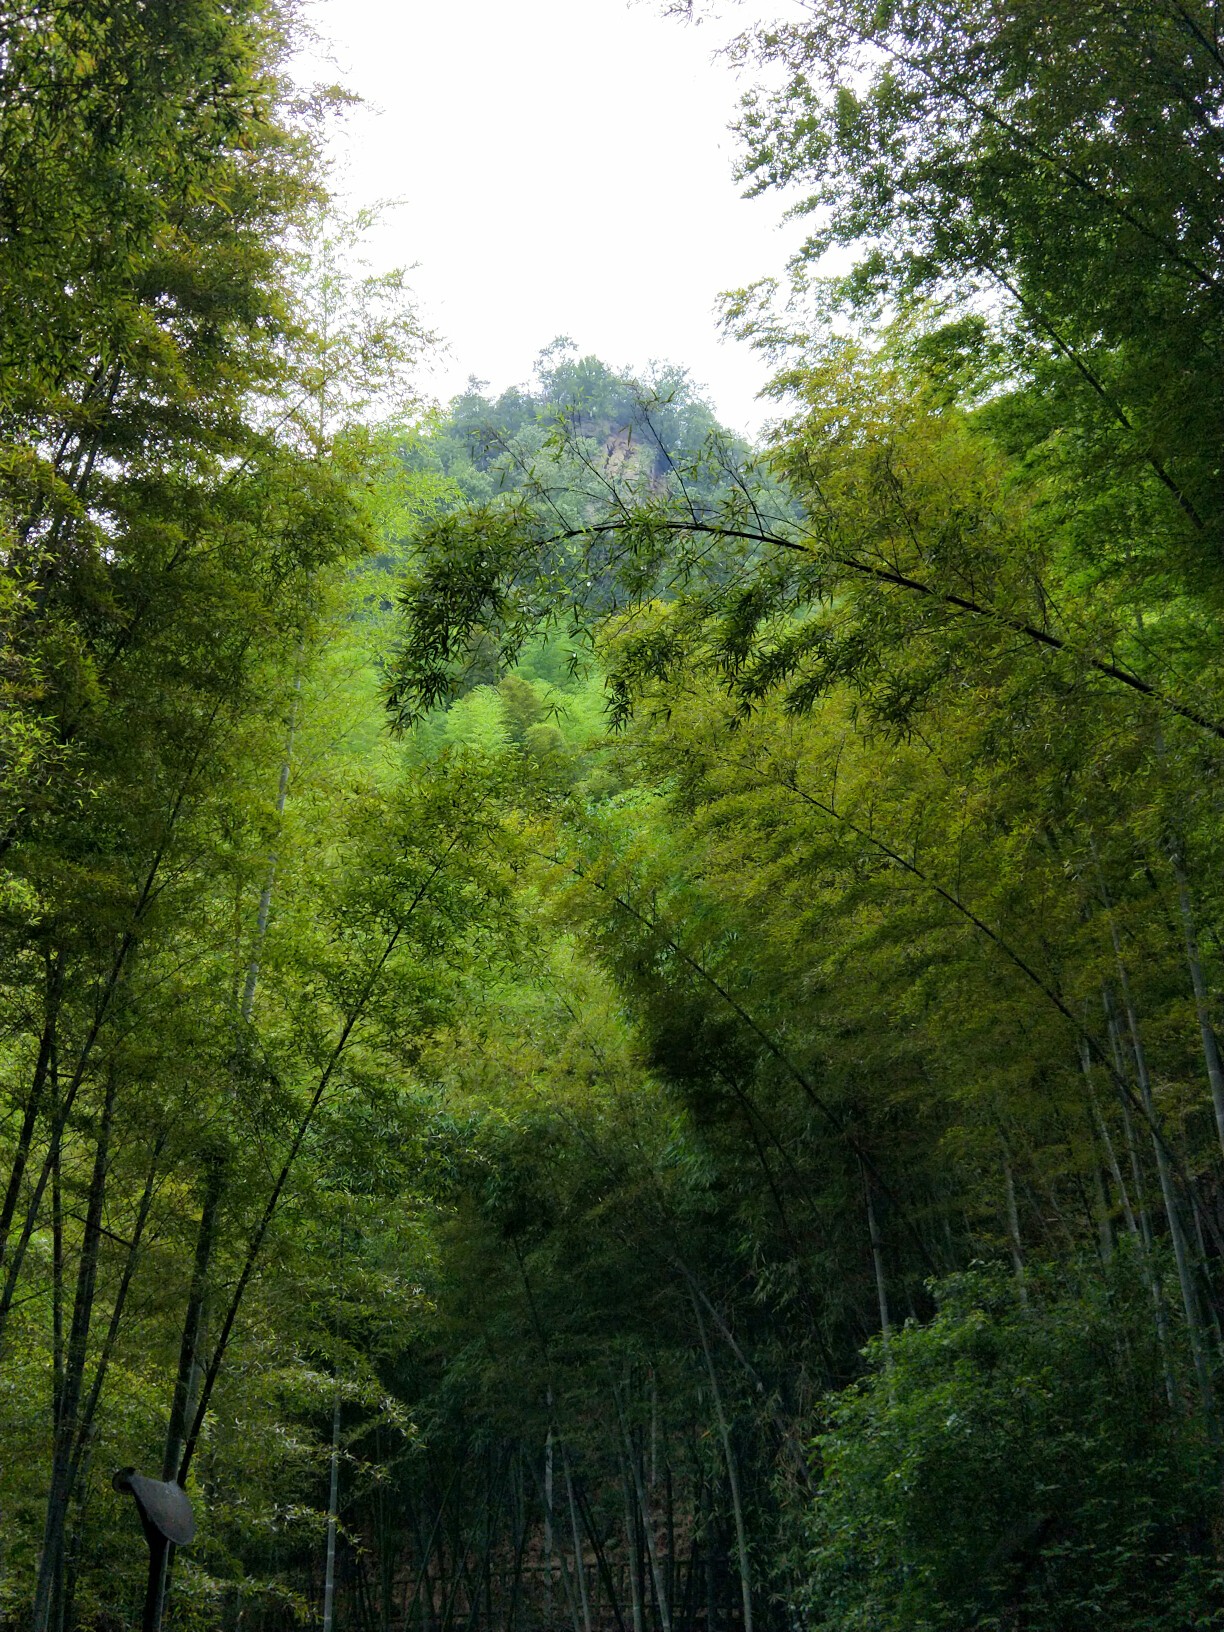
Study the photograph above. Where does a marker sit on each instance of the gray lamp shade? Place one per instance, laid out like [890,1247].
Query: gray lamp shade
[164,1507]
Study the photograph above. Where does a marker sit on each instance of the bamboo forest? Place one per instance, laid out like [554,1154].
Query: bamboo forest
[607,1025]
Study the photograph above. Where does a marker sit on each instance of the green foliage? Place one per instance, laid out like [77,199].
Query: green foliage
[1007,1464]
[759,1163]
[562,487]
[1057,160]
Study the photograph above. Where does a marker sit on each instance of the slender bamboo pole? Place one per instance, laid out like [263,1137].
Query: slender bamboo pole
[333,1509]
[1172,1214]
[633,1557]
[647,1521]
[877,1259]
[74,1370]
[1202,1006]
[1013,1231]
[43,1068]
[255,1245]
[601,1559]
[737,1506]
[579,1561]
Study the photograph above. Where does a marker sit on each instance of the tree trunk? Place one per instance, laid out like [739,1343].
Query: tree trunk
[1013,1231]
[1176,1235]
[633,1556]
[566,1585]
[106,996]
[255,1245]
[579,1560]
[57,1291]
[652,1555]
[66,1423]
[43,1068]
[516,1581]
[1101,1206]
[193,1318]
[333,1508]
[877,1259]
[737,1506]
[1107,1143]
[1150,1272]
[548,1511]
[265,895]
[600,1558]
[1202,1008]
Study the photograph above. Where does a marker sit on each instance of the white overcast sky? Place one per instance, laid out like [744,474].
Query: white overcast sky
[565,167]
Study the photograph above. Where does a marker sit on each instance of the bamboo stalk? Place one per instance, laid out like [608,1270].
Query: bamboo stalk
[1013,1231]
[737,1506]
[1172,1215]
[1202,1008]
[74,1371]
[647,1524]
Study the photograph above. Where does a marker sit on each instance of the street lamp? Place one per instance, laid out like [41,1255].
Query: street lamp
[167,1521]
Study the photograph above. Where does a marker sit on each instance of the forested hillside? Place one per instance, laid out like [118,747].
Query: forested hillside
[605,1029]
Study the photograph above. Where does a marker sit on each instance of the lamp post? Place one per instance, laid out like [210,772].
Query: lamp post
[167,1521]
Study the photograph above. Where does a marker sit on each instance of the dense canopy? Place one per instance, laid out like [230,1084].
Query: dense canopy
[605,1029]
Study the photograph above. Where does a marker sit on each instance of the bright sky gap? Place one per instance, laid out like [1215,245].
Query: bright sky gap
[560,168]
